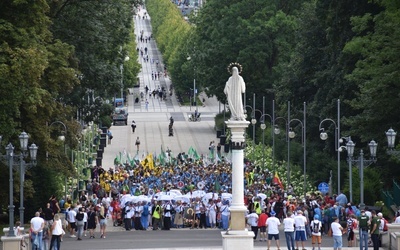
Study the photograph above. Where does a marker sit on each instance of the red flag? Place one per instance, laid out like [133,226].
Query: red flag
[277,181]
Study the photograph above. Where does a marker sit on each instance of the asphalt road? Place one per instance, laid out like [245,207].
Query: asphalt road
[175,238]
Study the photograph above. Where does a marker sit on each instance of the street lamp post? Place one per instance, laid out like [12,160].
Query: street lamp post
[194,87]
[253,122]
[324,136]
[61,138]
[292,134]
[391,138]
[277,131]
[121,67]
[10,157]
[263,127]
[361,162]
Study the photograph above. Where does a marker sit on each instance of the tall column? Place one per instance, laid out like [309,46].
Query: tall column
[237,208]
[237,238]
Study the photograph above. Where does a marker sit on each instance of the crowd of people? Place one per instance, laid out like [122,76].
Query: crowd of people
[140,197]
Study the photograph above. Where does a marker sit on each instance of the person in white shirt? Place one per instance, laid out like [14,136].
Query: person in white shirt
[56,232]
[212,214]
[138,216]
[178,219]
[37,225]
[337,234]
[316,226]
[129,213]
[225,213]
[288,228]
[252,221]
[167,208]
[85,220]
[397,219]
[71,220]
[273,229]
[300,223]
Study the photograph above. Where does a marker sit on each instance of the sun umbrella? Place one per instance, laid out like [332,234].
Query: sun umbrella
[165,197]
[182,198]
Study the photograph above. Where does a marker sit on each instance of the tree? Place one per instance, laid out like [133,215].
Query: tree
[376,74]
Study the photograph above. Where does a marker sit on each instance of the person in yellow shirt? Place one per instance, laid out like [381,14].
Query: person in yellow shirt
[157,216]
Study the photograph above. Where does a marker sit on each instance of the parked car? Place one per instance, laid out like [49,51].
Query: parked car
[120,115]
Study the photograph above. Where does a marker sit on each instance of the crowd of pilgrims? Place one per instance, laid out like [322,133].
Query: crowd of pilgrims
[108,187]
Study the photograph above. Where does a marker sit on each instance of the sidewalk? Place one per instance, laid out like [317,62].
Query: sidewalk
[152,121]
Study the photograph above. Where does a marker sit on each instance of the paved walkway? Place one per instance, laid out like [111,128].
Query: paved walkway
[152,122]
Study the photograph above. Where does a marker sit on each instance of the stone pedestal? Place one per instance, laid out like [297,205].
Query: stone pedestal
[237,237]
[11,243]
[243,240]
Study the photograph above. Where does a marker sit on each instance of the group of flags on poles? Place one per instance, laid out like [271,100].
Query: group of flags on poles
[148,161]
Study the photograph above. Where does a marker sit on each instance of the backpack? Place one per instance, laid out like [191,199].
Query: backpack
[79,216]
[315,228]
[364,222]
[385,227]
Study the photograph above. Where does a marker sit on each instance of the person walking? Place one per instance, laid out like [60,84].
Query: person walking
[133,126]
[56,233]
[79,223]
[71,221]
[273,229]
[252,221]
[288,227]
[337,232]
[103,222]
[92,221]
[137,143]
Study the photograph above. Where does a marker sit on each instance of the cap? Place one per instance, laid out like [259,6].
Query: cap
[272,213]
[380,214]
[316,217]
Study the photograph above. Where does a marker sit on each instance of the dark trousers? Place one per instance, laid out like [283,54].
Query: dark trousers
[203,223]
[156,223]
[167,223]
[55,242]
[255,231]
[375,241]
[138,224]
[128,223]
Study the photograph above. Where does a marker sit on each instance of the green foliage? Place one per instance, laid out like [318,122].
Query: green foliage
[262,156]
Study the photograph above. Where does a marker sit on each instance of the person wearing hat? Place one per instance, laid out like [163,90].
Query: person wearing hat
[316,226]
[272,224]
[300,222]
